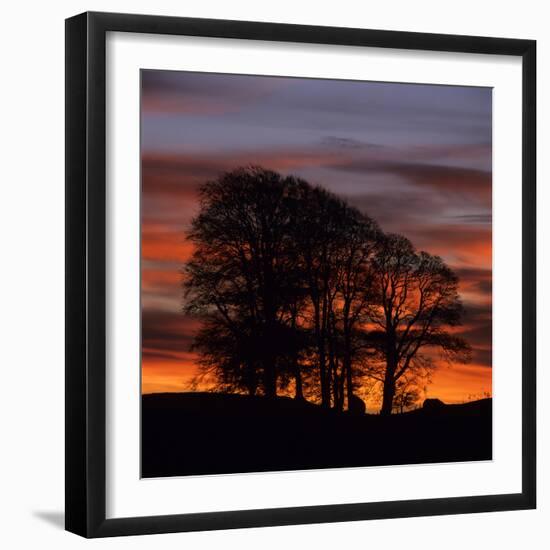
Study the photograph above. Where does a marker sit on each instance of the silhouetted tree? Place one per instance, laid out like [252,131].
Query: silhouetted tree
[417,301]
[240,276]
[355,285]
[334,243]
[407,394]
[317,237]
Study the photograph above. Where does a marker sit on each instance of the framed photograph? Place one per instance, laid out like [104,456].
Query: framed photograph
[300,274]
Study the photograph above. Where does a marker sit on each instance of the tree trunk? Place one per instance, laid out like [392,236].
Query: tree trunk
[347,365]
[299,395]
[320,341]
[349,383]
[325,369]
[299,387]
[270,374]
[325,389]
[341,388]
[252,385]
[388,393]
[270,379]
[337,396]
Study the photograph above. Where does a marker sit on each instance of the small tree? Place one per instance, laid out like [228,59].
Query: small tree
[417,302]
[407,394]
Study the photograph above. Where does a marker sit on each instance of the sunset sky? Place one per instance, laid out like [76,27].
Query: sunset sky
[417,158]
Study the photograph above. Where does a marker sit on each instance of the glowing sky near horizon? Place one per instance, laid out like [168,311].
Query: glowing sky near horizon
[417,158]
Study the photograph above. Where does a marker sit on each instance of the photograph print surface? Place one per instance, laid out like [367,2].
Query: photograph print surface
[316,273]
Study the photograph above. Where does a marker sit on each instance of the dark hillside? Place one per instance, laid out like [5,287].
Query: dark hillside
[207,433]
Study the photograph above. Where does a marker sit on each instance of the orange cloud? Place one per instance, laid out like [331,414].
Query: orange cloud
[461,244]
[458,383]
[167,375]
[164,243]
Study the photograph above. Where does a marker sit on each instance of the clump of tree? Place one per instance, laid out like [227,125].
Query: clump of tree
[298,291]
[407,394]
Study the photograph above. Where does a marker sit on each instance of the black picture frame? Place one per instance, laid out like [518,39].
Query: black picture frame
[86,264]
